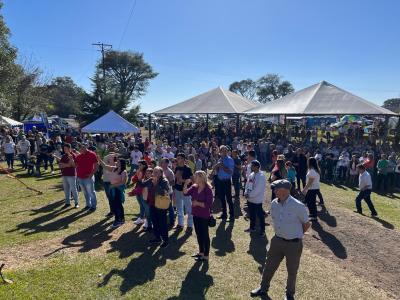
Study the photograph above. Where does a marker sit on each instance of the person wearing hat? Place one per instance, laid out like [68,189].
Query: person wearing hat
[290,220]
[255,195]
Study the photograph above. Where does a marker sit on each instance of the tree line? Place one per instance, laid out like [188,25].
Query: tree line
[25,90]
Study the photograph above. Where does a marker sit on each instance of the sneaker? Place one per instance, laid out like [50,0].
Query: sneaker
[164,244]
[76,205]
[87,208]
[178,227]
[116,224]
[109,215]
[155,241]
[249,230]
[66,205]
[138,221]
[52,172]
[145,224]
[92,209]
[374,215]
[358,212]
[189,230]
[222,217]
[258,292]
[262,234]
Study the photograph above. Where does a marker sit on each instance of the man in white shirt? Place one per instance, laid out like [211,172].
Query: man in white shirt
[365,185]
[255,194]
[23,148]
[290,219]
[136,155]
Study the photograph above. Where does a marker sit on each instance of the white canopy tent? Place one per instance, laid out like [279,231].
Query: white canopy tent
[321,99]
[111,122]
[9,122]
[215,101]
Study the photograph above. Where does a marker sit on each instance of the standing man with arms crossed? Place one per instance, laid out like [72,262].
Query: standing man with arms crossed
[223,187]
[290,219]
[255,195]
[86,165]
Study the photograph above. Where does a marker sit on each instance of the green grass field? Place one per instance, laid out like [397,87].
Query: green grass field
[68,254]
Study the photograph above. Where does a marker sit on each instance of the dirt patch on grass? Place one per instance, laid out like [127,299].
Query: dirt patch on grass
[362,245]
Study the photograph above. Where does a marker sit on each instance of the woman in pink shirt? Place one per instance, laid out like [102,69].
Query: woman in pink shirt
[202,199]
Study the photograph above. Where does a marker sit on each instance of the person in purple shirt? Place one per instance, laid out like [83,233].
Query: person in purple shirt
[202,199]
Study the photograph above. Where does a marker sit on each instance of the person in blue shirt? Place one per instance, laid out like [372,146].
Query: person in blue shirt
[223,184]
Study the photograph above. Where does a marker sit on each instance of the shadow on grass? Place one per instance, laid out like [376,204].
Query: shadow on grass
[49,176]
[196,283]
[258,249]
[44,209]
[222,241]
[89,238]
[38,225]
[142,269]
[384,223]
[330,240]
[325,216]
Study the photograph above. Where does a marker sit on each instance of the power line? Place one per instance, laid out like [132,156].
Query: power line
[103,49]
[127,23]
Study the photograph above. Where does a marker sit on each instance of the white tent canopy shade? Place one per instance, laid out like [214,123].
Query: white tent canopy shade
[9,122]
[215,101]
[321,99]
[111,122]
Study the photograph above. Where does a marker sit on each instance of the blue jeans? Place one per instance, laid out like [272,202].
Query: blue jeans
[10,160]
[69,185]
[184,205]
[23,157]
[106,186]
[142,212]
[87,187]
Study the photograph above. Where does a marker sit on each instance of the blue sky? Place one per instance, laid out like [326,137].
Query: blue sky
[198,45]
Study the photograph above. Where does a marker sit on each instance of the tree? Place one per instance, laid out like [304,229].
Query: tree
[246,88]
[29,96]
[8,67]
[128,76]
[270,87]
[127,79]
[265,89]
[64,97]
[392,104]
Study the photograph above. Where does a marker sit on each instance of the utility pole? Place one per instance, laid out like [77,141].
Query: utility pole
[103,49]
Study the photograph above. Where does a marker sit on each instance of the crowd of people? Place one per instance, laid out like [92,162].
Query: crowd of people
[174,179]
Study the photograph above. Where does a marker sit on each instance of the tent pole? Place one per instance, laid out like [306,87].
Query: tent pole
[238,124]
[149,128]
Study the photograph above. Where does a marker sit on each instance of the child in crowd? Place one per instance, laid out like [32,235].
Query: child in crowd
[291,176]
[31,165]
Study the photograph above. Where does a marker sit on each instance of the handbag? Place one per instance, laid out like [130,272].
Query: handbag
[211,221]
[162,202]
